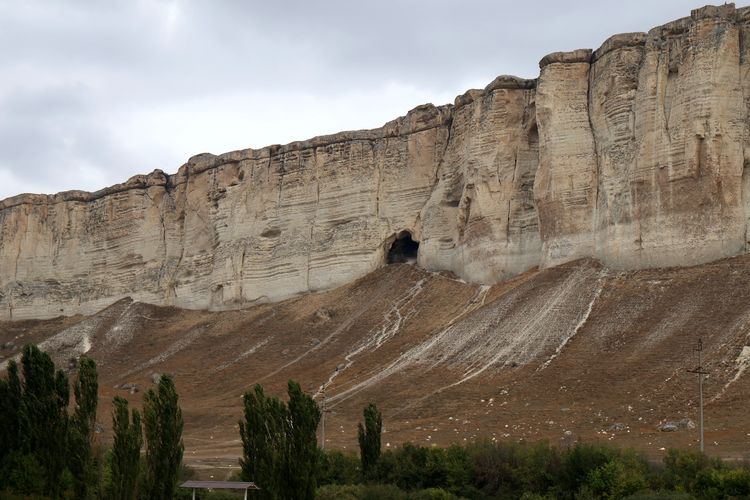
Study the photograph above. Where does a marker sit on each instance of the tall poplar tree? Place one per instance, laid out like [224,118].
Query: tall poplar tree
[369,438]
[164,447]
[82,428]
[304,416]
[10,403]
[279,443]
[43,417]
[126,450]
[264,443]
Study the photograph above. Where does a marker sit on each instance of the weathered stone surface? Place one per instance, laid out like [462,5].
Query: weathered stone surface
[575,56]
[669,123]
[242,227]
[633,154]
[565,187]
[480,221]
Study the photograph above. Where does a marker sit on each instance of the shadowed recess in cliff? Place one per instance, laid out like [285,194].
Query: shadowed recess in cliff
[403,250]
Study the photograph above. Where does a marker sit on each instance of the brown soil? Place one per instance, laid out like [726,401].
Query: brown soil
[558,354]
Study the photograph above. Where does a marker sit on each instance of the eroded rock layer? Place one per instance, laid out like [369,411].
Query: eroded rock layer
[633,154]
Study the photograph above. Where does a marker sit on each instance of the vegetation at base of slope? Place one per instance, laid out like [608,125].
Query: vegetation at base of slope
[49,451]
[491,470]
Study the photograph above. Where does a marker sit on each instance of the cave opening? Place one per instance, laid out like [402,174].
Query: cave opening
[403,249]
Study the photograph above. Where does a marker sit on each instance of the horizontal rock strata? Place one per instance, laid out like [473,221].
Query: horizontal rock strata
[633,154]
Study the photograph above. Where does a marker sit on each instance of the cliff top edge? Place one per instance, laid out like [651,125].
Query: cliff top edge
[421,118]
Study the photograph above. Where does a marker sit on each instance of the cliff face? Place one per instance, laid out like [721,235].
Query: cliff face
[633,154]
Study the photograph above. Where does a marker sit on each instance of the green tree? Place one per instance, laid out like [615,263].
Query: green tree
[369,438]
[263,433]
[279,443]
[618,478]
[164,447]
[304,416]
[126,450]
[43,417]
[338,467]
[85,389]
[10,402]
[682,469]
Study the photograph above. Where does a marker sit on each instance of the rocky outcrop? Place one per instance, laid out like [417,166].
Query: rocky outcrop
[242,227]
[633,154]
[670,122]
[480,220]
[565,187]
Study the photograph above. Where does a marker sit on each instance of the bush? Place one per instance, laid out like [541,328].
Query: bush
[459,472]
[431,494]
[23,474]
[510,470]
[616,479]
[336,467]
[535,472]
[579,462]
[338,492]
[736,483]
[381,492]
[722,483]
[682,470]
[660,495]
[360,492]
[405,467]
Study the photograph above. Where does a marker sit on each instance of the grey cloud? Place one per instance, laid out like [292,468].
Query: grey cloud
[70,70]
[50,133]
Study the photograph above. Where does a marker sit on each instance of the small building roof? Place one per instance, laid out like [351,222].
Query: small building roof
[220,485]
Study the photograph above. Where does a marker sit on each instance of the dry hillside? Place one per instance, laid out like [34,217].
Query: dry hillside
[575,348]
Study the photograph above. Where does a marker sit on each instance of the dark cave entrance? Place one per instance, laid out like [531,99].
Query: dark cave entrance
[403,249]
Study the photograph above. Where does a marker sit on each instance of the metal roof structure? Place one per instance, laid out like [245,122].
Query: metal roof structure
[219,485]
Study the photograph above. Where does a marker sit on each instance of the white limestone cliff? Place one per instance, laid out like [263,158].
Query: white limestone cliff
[633,154]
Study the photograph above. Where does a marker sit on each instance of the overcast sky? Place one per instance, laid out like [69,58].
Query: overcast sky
[92,92]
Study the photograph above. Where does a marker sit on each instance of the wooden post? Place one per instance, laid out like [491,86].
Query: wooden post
[700,372]
[323,424]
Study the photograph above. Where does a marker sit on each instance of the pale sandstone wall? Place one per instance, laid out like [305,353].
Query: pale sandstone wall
[224,231]
[565,187]
[634,154]
[480,221]
[670,122]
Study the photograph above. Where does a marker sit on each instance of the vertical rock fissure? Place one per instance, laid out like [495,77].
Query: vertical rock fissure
[598,168]
[183,224]
[163,266]
[441,161]
[241,293]
[379,175]
[744,144]
[314,219]
[18,257]
[668,91]
[510,198]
